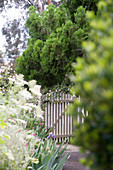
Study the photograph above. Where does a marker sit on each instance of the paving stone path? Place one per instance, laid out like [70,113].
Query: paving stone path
[72,162]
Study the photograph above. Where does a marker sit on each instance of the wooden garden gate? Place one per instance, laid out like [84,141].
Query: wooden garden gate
[56,114]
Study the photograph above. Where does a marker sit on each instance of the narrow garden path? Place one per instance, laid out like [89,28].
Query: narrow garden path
[72,162]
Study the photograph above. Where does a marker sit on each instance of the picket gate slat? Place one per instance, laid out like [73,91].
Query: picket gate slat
[56,114]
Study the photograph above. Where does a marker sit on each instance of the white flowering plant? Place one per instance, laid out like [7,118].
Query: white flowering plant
[18,106]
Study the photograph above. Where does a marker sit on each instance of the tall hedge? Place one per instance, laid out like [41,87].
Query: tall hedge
[94,84]
[54,43]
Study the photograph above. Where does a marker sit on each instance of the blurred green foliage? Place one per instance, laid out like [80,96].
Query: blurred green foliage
[54,43]
[94,84]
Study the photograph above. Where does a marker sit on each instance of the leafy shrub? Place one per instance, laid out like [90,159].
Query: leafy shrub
[54,43]
[94,83]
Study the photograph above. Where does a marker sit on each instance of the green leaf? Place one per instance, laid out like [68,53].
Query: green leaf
[62,162]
